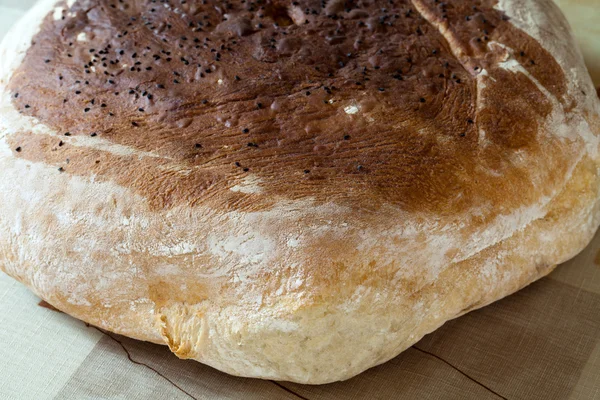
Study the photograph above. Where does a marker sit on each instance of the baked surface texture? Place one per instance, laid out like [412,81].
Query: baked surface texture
[291,190]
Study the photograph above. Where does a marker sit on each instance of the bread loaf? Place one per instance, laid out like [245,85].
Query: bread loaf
[292,190]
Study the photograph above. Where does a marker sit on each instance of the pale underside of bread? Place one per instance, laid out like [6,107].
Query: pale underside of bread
[98,251]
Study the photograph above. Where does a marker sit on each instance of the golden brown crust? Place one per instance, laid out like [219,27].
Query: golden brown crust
[276,272]
[416,144]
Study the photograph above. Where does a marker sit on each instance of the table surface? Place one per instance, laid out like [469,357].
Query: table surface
[540,343]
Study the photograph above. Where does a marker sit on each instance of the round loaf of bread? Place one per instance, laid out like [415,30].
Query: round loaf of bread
[292,190]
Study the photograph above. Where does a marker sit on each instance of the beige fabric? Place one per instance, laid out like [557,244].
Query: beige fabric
[542,342]
[584,16]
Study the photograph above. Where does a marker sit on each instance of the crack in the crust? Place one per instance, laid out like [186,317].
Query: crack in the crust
[461,372]
[458,51]
[49,306]
[170,381]
[289,390]
[143,364]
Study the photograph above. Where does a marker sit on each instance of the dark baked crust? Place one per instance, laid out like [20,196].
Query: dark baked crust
[288,71]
